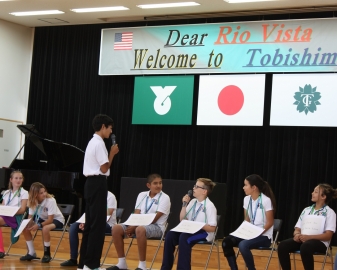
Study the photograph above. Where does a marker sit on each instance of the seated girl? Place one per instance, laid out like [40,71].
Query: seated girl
[45,215]
[16,195]
[304,241]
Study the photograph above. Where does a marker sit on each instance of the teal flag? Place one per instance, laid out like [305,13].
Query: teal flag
[163,100]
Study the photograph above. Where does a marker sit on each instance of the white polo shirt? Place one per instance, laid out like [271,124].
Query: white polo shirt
[11,200]
[47,208]
[259,207]
[327,213]
[159,203]
[112,204]
[206,214]
[96,155]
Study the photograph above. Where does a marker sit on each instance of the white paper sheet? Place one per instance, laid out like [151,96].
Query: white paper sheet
[82,219]
[188,226]
[8,211]
[312,224]
[247,231]
[140,219]
[22,226]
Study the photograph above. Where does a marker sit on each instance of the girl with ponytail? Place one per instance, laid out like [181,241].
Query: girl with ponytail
[307,241]
[259,208]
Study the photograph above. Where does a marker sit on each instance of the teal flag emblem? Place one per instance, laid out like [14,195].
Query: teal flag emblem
[307,99]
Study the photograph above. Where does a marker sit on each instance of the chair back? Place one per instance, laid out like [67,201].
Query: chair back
[277,224]
[66,209]
[119,214]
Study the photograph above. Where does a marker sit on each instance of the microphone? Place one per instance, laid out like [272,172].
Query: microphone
[113,139]
[190,194]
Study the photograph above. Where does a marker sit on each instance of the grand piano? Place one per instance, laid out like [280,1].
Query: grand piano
[60,170]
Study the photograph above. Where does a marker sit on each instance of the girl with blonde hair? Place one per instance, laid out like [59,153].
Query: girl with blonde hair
[45,215]
[16,195]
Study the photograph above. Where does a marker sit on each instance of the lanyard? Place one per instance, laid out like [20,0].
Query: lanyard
[10,194]
[153,200]
[194,215]
[252,215]
[36,214]
[148,208]
[319,211]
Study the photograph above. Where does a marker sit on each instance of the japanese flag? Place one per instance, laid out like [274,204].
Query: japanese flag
[231,100]
[304,100]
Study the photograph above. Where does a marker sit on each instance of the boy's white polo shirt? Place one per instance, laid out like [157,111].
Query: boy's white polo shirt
[207,213]
[159,203]
[96,155]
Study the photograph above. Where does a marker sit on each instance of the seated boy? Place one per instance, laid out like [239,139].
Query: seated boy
[148,202]
[76,227]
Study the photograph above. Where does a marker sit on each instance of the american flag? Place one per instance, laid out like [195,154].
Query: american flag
[123,41]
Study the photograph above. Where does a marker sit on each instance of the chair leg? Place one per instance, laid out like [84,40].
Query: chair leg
[271,255]
[155,255]
[269,259]
[59,243]
[217,247]
[209,255]
[294,261]
[127,251]
[107,251]
[326,254]
[7,252]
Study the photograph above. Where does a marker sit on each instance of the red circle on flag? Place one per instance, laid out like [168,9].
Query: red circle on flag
[230,100]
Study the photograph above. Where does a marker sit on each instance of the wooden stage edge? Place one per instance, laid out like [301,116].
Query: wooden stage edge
[199,255]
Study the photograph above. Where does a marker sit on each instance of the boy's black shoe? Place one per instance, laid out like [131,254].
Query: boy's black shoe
[70,262]
[46,258]
[29,257]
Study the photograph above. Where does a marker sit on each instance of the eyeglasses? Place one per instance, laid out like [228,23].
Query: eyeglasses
[196,187]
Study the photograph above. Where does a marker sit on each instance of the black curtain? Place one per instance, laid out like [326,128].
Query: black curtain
[66,93]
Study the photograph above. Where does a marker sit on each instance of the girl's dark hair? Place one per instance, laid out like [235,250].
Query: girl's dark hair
[263,186]
[328,191]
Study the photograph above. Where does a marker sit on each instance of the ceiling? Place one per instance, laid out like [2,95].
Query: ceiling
[136,14]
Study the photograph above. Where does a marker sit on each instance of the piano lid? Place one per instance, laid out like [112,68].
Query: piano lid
[62,154]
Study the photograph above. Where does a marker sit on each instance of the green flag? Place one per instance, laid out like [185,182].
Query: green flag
[163,100]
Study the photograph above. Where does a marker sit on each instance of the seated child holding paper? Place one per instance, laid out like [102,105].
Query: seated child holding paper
[200,209]
[148,202]
[259,206]
[45,214]
[309,242]
[76,227]
[16,195]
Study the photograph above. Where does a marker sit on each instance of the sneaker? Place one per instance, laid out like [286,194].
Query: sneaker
[70,262]
[29,257]
[46,259]
[2,254]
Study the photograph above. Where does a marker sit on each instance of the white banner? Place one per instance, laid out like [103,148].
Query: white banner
[304,100]
[236,47]
[231,100]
